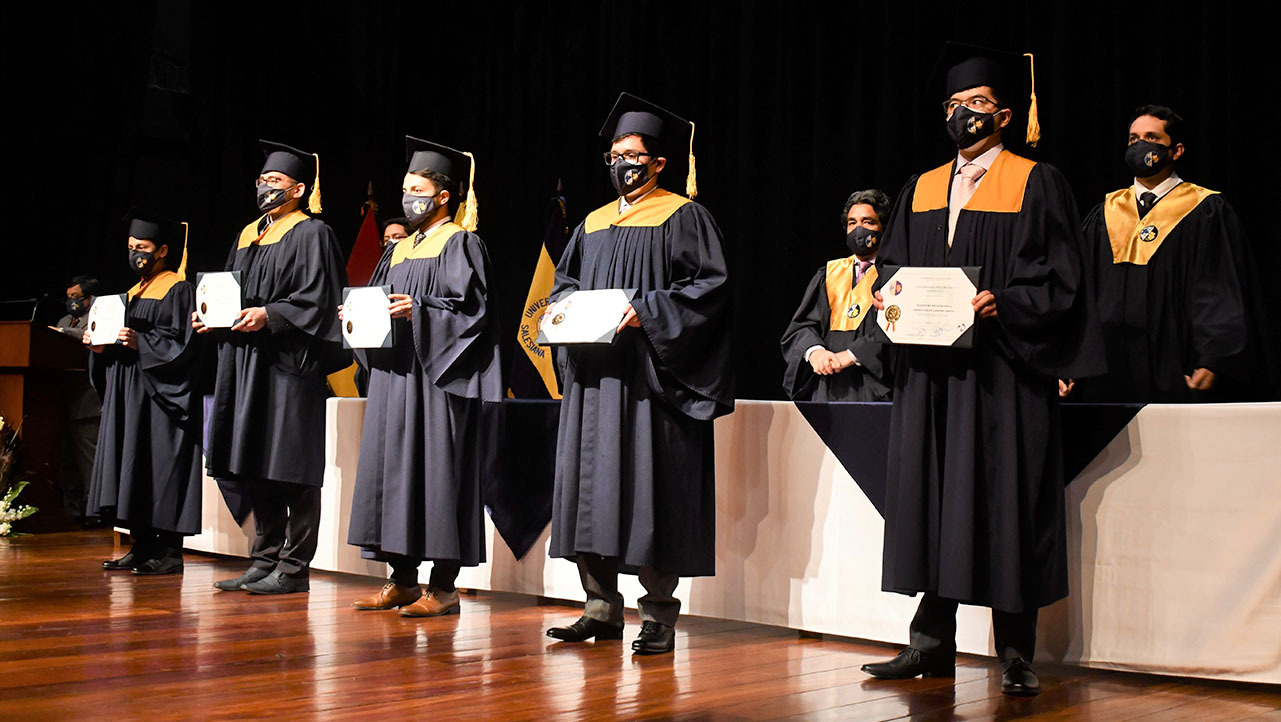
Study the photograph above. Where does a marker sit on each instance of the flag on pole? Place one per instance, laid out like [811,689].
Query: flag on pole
[533,371]
[369,241]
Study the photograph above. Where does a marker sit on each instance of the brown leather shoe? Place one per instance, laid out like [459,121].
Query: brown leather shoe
[391,596]
[434,603]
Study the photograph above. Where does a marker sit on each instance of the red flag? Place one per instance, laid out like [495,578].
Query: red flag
[368,249]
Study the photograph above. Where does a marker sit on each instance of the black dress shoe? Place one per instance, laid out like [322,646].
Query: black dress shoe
[252,574]
[168,564]
[277,583]
[124,563]
[914,663]
[586,628]
[1018,679]
[655,638]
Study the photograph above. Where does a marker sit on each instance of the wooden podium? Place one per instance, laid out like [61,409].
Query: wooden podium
[39,370]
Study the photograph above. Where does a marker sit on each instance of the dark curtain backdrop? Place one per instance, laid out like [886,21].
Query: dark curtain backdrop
[161,103]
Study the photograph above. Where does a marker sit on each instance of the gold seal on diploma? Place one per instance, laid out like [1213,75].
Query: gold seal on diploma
[893,314]
[204,308]
[349,327]
[557,319]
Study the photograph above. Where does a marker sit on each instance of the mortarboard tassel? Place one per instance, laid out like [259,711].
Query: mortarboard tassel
[691,179]
[1033,122]
[471,209]
[182,265]
[313,200]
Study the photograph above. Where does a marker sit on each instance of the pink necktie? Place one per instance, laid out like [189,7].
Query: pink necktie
[862,271]
[961,194]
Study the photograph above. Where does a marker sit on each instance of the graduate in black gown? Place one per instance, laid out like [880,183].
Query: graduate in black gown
[146,474]
[974,496]
[635,474]
[417,494]
[266,434]
[1169,263]
[831,349]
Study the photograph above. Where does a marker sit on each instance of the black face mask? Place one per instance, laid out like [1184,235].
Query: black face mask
[627,177]
[967,127]
[142,262]
[1145,158]
[417,208]
[269,198]
[77,306]
[863,241]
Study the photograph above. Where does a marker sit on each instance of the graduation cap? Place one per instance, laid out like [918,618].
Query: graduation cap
[458,165]
[966,66]
[147,226]
[633,115]
[300,165]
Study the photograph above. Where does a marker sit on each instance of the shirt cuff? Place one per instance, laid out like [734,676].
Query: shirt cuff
[811,350]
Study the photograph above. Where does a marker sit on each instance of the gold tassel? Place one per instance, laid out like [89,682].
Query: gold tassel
[313,200]
[691,179]
[1033,122]
[182,265]
[471,209]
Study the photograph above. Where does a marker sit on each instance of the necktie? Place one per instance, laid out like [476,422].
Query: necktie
[862,271]
[962,192]
[1146,201]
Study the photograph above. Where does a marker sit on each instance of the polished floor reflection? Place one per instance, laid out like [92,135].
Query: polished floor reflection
[77,642]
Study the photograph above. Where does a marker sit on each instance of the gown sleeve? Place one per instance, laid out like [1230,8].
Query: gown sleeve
[687,322]
[167,352]
[1045,309]
[455,335]
[808,326]
[316,279]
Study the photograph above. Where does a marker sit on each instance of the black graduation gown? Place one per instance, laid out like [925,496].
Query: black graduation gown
[974,495]
[147,469]
[421,448]
[1178,311]
[269,394]
[811,326]
[635,471]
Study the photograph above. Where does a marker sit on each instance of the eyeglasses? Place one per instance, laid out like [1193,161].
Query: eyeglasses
[276,182]
[976,103]
[631,156]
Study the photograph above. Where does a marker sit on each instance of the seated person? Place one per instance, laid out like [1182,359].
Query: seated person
[831,354]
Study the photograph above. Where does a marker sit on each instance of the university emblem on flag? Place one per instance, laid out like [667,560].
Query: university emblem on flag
[1148,234]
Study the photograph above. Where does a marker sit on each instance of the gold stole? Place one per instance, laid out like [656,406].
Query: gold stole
[848,303]
[157,289]
[652,210]
[429,247]
[1135,240]
[250,236]
[1001,189]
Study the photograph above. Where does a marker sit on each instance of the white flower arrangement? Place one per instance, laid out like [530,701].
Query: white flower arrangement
[10,511]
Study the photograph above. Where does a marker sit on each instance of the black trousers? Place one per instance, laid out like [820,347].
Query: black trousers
[934,629]
[286,517]
[404,571]
[151,543]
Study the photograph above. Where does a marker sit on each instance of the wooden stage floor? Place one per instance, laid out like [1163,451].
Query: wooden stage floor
[80,643]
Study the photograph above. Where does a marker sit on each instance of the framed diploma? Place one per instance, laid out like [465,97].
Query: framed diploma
[106,318]
[585,317]
[929,306]
[366,322]
[218,298]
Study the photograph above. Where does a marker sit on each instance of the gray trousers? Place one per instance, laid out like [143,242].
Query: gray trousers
[286,517]
[934,629]
[604,603]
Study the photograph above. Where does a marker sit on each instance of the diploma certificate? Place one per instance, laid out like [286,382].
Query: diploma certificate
[929,306]
[106,318]
[218,298]
[366,322]
[585,317]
